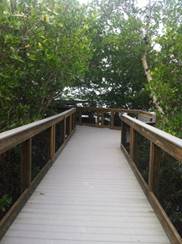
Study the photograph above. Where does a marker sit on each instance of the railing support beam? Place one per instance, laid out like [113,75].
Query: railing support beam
[26,164]
[64,128]
[52,142]
[132,142]
[70,125]
[154,165]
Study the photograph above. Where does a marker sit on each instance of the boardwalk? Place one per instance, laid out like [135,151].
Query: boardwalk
[89,196]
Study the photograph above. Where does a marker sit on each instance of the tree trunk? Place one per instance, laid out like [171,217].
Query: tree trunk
[149,79]
[13,6]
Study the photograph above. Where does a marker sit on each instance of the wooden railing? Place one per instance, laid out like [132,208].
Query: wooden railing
[159,143]
[110,117]
[58,130]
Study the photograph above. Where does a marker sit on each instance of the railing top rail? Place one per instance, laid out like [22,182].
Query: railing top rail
[169,143]
[15,136]
[114,110]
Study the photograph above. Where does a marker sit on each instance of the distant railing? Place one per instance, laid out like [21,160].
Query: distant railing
[110,117]
[26,153]
[149,151]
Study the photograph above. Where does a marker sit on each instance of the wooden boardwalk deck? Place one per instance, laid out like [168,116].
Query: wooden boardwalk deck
[89,196]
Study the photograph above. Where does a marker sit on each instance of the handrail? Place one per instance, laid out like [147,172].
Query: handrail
[134,111]
[110,117]
[24,132]
[169,143]
[159,140]
[23,136]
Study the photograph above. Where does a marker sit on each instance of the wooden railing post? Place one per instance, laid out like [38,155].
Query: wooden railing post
[132,142]
[80,117]
[52,141]
[74,120]
[97,124]
[26,164]
[70,124]
[102,119]
[64,128]
[122,135]
[112,120]
[154,165]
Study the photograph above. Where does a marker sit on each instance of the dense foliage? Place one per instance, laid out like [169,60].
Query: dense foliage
[43,48]
[167,69]
[115,76]
[56,49]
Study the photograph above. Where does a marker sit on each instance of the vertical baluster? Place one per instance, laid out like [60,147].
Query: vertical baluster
[80,117]
[52,141]
[112,120]
[64,128]
[26,164]
[132,137]
[73,121]
[154,165]
[122,135]
[70,125]
[97,125]
[102,119]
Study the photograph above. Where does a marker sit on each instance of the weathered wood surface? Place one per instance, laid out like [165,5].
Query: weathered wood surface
[89,196]
[160,141]
[11,138]
[167,142]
